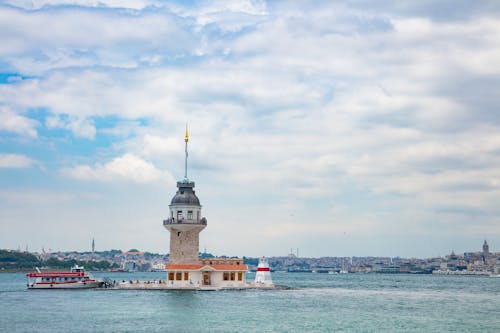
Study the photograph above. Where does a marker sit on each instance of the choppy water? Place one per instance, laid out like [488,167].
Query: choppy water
[321,303]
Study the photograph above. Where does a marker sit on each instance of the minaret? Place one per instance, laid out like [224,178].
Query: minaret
[185,222]
[93,245]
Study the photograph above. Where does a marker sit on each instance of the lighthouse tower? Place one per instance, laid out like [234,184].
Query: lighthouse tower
[185,222]
[185,270]
[263,275]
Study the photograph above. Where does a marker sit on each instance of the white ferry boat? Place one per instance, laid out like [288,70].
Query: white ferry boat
[77,278]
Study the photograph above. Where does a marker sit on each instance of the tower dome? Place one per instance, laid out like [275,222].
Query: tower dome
[185,195]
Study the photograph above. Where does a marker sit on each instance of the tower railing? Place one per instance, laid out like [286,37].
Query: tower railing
[184,220]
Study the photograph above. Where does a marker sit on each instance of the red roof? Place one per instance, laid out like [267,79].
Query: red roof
[226,267]
[189,267]
[197,267]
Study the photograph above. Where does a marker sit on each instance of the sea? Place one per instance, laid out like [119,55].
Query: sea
[315,303]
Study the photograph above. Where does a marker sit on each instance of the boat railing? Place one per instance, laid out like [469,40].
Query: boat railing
[171,220]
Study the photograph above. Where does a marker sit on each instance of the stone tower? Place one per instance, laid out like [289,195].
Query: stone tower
[185,222]
[486,249]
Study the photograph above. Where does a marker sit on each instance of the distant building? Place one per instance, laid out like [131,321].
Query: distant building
[486,250]
[129,266]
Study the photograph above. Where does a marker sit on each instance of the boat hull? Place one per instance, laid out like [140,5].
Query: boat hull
[76,285]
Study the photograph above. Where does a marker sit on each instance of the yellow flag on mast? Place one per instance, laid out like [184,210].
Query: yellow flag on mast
[187,135]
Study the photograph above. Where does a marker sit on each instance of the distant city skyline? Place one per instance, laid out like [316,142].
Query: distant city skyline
[341,129]
[292,252]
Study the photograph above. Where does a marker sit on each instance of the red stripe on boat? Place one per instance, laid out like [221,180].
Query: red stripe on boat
[262,269]
[54,282]
[56,274]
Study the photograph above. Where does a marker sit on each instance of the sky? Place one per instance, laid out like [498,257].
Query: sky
[352,128]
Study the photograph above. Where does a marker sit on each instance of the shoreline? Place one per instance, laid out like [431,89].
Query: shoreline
[147,285]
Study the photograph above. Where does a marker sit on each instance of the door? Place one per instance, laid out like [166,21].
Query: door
[206,278]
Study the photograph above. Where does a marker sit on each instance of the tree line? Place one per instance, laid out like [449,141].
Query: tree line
[14,260]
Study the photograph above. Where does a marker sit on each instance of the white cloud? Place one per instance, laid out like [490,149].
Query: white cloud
[229,16]
[15,161]
[15,123]
[81,127]
[127,167]
[76,37]
[38,4]
[312,105]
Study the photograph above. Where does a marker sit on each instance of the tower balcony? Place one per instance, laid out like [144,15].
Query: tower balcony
[184,221]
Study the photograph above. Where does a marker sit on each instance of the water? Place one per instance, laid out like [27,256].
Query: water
[321,303]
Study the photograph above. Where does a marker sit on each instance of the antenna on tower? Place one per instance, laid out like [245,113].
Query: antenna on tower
[186,139]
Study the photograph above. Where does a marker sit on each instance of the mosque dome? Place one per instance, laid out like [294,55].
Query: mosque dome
[185,195]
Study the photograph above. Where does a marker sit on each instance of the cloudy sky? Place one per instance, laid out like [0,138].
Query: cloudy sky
[340,128]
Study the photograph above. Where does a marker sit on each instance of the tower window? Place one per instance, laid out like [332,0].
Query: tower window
[178,234]
[178,276]
[240,276]
[179,215]
[190,215]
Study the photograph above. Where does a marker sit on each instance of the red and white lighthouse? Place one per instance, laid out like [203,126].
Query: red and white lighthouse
[263,275]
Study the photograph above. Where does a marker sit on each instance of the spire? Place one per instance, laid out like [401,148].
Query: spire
[186,139]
